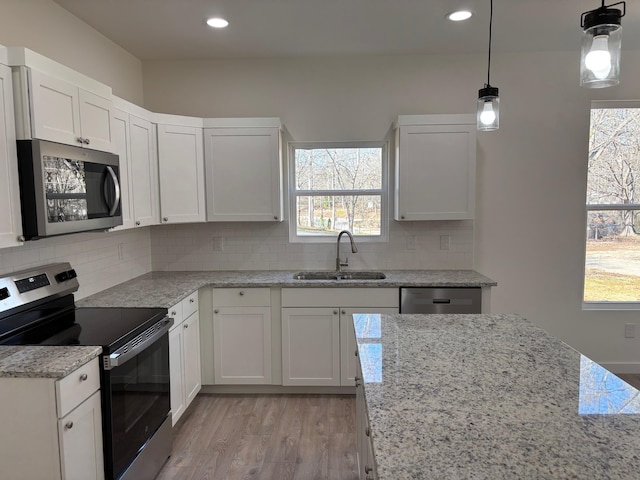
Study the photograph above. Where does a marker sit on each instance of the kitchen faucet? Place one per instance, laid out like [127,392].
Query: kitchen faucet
[354,249]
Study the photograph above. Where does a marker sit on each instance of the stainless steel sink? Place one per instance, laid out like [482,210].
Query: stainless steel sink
[362,275]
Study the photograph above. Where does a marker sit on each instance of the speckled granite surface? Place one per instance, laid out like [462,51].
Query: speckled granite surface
[43,362]
[491,397]
[164,289]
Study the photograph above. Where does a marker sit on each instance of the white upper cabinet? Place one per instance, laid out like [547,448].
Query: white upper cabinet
[435,167]
[10,219]
[144,171]
[122,148]
[243,169]
[181,173]
[58,104]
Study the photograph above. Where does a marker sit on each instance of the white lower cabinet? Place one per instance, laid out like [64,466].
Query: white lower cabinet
[53,428]
[364,447]
[184,355]
[242,336]
[318,340]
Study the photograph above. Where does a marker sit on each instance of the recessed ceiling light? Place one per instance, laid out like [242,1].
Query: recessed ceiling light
[217,22]
[459,15]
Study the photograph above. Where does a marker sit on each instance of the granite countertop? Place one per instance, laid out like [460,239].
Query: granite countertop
[491,397]
[44,362]
[165,289]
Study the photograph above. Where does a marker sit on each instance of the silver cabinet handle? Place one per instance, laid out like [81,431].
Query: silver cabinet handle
[241,293]
[191,300]
[68,425]
[335,312]
[87,141]
[186,325]
[216,311]
[275,217]
[368,469]
[165,219]
[402,217]
[343,312]
[138,223]
[173,313]
[356,353]
[83,377]
[79,139]
[367,432]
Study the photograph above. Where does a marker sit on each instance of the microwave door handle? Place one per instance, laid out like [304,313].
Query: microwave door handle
[116,187]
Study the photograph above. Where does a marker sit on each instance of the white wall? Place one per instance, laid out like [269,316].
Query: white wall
[101,259]
[529,232]
[45,27]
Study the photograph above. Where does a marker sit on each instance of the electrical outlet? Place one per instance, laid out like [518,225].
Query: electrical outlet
[630,330]
[411,242]
[445,242]
[218,244]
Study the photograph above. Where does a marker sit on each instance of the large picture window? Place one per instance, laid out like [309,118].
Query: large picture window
[336,187]
[612,267]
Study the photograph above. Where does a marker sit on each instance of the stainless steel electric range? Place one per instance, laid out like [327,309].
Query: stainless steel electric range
[37,308]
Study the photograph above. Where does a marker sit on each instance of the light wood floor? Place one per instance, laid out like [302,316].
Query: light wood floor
[269,437]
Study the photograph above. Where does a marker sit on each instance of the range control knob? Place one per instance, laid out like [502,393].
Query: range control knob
[64,276]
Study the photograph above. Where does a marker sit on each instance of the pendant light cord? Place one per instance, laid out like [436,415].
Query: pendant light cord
[490,25]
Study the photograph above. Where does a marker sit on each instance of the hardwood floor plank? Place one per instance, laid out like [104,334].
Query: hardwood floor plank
[265,437]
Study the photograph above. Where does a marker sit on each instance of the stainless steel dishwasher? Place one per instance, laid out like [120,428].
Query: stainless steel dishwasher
[441,300]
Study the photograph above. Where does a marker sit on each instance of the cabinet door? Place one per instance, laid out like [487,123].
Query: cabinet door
[144,172]
[55,109]
[80,436]
[181,172]
[348,345]
[435,172]
[10,217]
[244,174]
[121,147]
[191,363]
[242,345]
[176,369]
[310,346]
[95,121]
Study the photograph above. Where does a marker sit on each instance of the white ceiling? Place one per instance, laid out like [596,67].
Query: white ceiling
[175,29]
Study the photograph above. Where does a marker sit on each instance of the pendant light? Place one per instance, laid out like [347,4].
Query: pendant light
[488,115]
[601,40]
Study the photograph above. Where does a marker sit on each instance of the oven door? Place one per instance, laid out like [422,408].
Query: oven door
[136,399]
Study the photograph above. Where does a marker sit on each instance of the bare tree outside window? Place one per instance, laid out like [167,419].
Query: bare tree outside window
[612,270]
[338,187]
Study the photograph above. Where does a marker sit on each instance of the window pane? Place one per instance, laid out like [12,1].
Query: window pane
[338,168]
[614,156]
[328,215]
[612,270]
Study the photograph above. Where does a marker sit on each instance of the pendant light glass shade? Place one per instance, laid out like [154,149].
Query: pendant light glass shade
[488,112]
[601,43]
[488,109]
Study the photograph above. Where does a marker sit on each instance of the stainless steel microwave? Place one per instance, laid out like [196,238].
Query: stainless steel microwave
[67,189]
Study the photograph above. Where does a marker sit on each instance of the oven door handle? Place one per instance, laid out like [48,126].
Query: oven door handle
[138,344]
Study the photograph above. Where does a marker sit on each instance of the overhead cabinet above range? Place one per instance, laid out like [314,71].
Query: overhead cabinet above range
[58,104]
[435,167]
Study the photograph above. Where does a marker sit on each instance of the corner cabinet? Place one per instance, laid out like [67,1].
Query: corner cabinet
[435,167]
[181,173]
[53,428]
[243,162]
[10,216]
[184,355]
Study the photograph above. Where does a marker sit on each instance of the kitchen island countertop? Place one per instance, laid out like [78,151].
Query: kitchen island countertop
[165,289]
[491,397]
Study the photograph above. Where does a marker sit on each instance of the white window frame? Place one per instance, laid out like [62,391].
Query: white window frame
[383,192]
[607,305]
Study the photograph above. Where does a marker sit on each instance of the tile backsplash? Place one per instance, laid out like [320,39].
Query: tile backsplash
[100,259]
[265,246]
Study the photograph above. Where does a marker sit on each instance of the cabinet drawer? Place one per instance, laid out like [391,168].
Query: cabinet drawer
[77,386]
[241,297]
[190,305]
[177,314]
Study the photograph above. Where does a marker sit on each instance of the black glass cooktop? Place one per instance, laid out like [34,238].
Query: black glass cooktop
[106,327]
